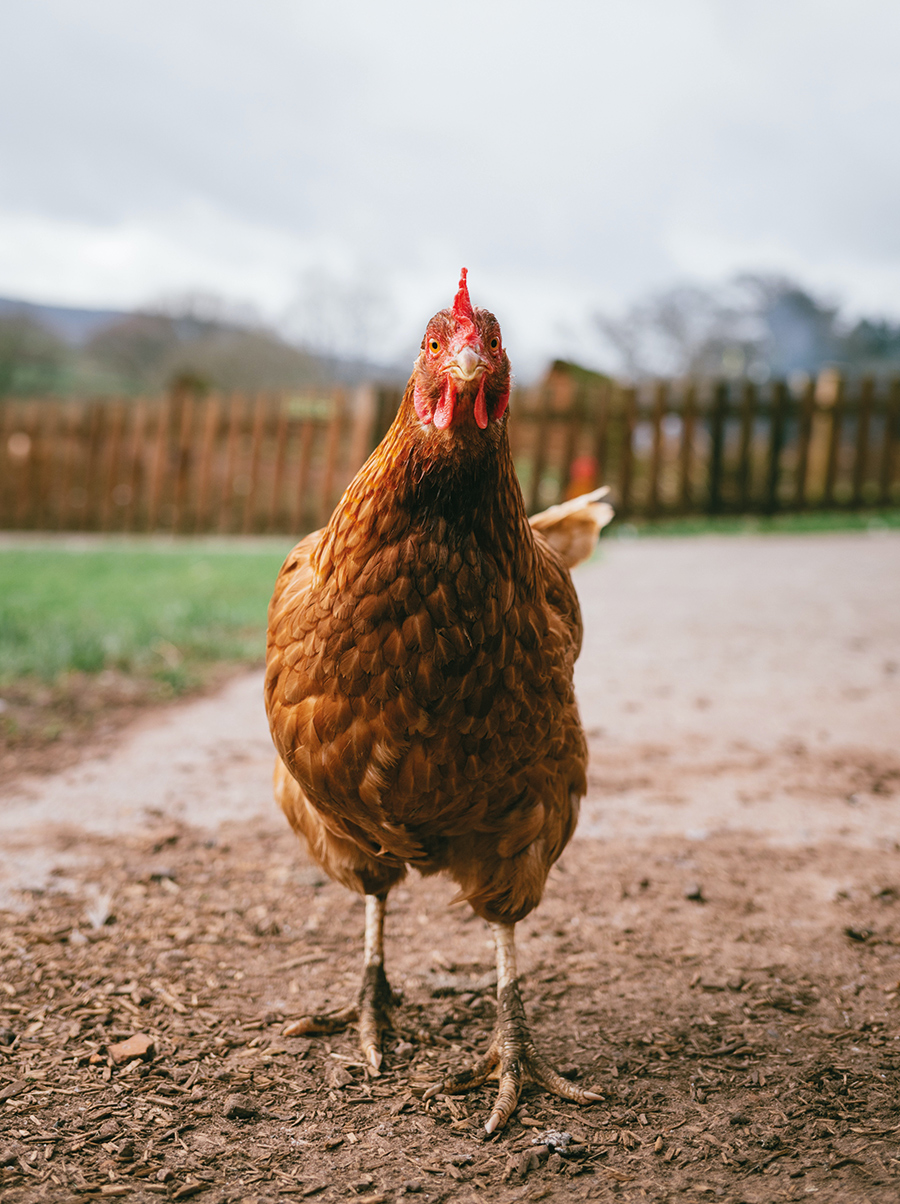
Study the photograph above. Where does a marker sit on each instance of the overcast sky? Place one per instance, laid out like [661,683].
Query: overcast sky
[571,154]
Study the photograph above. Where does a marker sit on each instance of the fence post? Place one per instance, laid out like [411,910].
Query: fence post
[364,417]
[688,427]
[601,407]
[135,465]
[49,444]
[660,400]
[387,402]
[281,438]
[745,454]
[804,435]
[326,500]
[891,435]
[626,467]
[158,464]
[183,397]
[834,442]
[260,413]
[111,457]
[717,438]
[779,405]
[575,419]
[211,419]
[226,493]
[540,451]
[301,502]
[863,419]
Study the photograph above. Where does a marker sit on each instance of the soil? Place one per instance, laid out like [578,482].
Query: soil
[47,725]
[718,951]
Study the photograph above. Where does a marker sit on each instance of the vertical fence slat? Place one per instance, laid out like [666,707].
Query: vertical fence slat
[863,420]
[158,465]
[110,462]
[272,463]
[539,459]
[686,451]
[364,416]
[47,452]
[135,474]
[7,492]
[834,444]
[260,413]
[182,453]
[717,416]
[601,406]
[660,399]
[332,443]
[745,451]
[281,440]
[211,421]
[302,507]
[628,419]
[26,463]
[574,420]
[71,449]
[888,448]
[780,399]
[229,470]
[804,436]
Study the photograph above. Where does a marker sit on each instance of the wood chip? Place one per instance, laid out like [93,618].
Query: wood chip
[187,1190]
[11,1090]
[139,1046]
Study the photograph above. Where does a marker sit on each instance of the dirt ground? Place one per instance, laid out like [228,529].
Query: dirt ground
[718,951]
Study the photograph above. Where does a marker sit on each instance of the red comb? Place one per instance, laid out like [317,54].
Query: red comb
[462,306]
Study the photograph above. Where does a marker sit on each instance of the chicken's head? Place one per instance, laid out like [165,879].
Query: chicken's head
[462,372]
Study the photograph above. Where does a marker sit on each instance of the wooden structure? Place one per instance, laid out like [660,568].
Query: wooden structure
[278,463]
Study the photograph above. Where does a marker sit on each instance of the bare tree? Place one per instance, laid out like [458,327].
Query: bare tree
[685,330]
[342,318]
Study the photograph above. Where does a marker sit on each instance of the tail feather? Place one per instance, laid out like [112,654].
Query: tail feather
[573,528]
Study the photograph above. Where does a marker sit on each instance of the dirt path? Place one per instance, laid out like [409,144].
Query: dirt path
[718,950]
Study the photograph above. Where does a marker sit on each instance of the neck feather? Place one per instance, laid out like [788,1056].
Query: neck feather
[460,482]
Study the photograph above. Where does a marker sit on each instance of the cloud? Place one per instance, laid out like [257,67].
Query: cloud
[569,154]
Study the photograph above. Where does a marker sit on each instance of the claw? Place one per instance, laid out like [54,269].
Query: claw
[513,1058]
[433,1090]
[374,1059]
[329,1022]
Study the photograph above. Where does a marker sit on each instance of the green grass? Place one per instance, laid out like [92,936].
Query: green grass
[153,613]
[808,522]
[166,612]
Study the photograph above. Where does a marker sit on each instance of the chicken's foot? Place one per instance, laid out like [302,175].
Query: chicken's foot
[511,1055]
[372,1011]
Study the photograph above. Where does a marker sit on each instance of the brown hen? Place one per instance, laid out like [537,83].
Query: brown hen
[419,680]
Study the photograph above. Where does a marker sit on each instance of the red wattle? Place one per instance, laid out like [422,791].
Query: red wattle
[481,414]
[500,407]
[422,406]
[443,413]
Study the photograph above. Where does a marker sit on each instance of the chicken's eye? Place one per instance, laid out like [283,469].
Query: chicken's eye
[434,346]
[495,343]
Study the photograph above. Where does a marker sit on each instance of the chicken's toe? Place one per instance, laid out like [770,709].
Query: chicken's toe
[325,1022]
[512,1057]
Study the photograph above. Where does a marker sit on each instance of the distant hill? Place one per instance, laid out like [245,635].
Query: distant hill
[73,325]
[103,351]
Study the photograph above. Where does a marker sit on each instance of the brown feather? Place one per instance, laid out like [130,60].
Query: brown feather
[419,675]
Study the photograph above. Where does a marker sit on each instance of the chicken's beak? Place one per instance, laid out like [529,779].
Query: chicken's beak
[467,365]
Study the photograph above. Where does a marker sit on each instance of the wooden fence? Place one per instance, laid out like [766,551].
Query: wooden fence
[279,463]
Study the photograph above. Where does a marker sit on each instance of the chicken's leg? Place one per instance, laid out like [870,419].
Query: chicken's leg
[511,1055]
[375,997]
